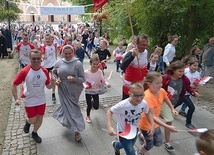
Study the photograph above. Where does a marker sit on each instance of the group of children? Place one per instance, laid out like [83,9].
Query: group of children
[157,97]
[162,94]
[160,102]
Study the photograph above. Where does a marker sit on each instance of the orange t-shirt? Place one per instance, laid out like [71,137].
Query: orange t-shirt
[155,103]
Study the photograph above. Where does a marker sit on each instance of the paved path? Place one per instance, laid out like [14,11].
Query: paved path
[96,141]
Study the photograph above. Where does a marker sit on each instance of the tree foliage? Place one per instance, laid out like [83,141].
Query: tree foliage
[191,20]
[9,11]
[186,18]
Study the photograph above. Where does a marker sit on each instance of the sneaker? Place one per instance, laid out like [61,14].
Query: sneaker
[88,119]
[182,113]
[26,127]
[116,151]
[190,126]
[53,97]
[169,147]
[140,138]
[36,137]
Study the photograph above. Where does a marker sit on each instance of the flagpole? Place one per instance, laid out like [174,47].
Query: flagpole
[130,20]
[101,9]
[132,30]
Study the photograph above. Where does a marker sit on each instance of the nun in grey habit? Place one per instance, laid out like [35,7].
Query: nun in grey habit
[69,74]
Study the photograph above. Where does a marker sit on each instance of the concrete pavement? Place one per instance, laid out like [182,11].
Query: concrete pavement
[95,140]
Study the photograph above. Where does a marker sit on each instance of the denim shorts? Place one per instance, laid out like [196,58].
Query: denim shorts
[155,140]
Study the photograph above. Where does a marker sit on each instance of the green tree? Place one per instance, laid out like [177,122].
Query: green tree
[187,18]
[191,20]
[9,11]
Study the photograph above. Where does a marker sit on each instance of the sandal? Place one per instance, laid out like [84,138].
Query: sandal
[78,137]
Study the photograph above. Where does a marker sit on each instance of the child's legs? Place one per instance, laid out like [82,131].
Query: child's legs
[128,145]
[89,104]
[179,102]
[155,140]
[191,109]
[96,101]
[118,64]
[158,137]
[167,116]
[167,133]
[184,106]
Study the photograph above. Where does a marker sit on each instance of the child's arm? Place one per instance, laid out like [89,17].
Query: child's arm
[189,88]
[158,121]
[149,116]
[168,102]
[111,130]
[170,127]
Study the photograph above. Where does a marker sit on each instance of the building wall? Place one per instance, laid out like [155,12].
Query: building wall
[31,11]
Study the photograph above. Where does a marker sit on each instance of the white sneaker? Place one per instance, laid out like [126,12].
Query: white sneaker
[88,119]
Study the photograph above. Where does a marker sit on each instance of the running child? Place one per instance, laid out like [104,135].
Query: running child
[154,96]
[174,81]
[160,62]
[152,64]
[129,112]
[95,84]
[118,52]
[193,75]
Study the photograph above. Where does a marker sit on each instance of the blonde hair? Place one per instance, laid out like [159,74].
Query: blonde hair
[35,41]
[95,57]
[153,54]
[105,41]
[157,49]
[135,85]
[172,37]
[150,77]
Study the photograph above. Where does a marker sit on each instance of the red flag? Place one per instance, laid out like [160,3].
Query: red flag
[98,4]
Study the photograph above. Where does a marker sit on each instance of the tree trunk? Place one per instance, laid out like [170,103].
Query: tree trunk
[190,30]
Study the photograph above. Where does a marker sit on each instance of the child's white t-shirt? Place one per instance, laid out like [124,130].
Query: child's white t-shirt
[127,113]
[191,76]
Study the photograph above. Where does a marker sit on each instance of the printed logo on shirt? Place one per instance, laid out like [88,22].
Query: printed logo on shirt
[132,116]
[37,81]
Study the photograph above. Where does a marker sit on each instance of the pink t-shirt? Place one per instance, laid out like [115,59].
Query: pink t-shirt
[34,82]
[96,81]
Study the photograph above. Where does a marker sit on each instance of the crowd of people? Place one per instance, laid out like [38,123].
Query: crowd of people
[152,88]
